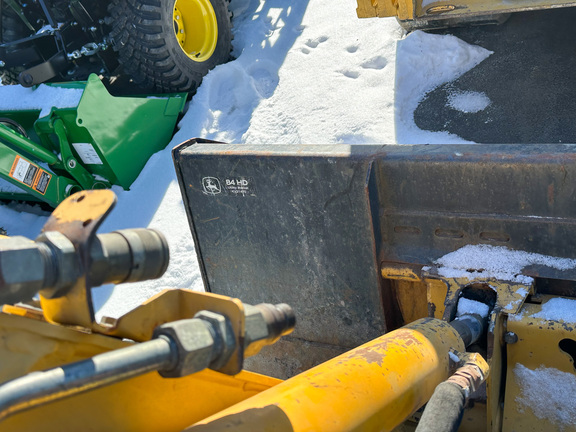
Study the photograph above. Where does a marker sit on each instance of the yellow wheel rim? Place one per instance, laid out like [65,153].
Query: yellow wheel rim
[196,28]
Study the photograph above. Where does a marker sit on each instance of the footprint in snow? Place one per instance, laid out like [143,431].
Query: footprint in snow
[313,43]
[350,73]
[265,77]
[378,63]
[232,92]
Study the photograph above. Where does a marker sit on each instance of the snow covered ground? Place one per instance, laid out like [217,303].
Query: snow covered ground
[305,72]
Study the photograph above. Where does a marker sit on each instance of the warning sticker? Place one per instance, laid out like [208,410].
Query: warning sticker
[23,171]
[30,174]
[42,182]
[87,153]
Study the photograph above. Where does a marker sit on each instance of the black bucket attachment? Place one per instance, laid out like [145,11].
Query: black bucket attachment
[313,225]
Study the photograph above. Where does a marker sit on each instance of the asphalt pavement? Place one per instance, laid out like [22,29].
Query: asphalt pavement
[529,80]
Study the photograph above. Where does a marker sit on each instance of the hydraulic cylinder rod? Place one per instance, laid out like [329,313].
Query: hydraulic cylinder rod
[470,327]
[373,387]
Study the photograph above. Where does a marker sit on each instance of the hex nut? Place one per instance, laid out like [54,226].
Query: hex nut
[224,339]
[265,324]
[194,345]
[65,264]
[256,330]
[22,269]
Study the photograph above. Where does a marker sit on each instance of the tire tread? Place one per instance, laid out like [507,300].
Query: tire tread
[139,37]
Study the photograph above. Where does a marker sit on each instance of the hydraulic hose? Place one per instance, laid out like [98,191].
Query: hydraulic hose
[444,410]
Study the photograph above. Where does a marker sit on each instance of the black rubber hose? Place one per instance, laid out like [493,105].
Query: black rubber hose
[444,410]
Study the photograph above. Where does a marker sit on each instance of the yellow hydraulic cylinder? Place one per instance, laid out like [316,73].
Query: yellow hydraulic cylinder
[371,388]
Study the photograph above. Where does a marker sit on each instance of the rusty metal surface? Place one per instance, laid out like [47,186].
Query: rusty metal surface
[471,374]
[436,199]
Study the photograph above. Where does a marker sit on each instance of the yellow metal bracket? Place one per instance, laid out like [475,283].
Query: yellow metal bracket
[173,305]
[539,356]
[443,292]
[167,306]
[510,296]
[78,217]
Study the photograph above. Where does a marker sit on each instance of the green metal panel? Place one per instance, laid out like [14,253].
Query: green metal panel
[125,131]
[105,140]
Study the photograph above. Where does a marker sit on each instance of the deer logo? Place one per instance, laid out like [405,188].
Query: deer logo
[211,186]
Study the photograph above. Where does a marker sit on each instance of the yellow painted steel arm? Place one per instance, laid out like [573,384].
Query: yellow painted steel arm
[377,8]
[148,403]
[373,387]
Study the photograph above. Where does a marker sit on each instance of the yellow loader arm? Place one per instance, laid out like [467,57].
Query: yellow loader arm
[429,14]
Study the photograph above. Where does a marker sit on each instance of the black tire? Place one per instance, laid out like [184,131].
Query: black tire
[143,33]
[13,28]
[9,77]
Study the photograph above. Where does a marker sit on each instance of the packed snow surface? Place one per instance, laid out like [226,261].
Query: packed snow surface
[548,393]
[484,261]
[468,102]
[42,98]
[303,73]
[426,61]
[558,309]
[467,306]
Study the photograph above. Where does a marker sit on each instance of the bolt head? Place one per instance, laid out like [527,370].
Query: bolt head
[26,79]
[256,330]
[510,337]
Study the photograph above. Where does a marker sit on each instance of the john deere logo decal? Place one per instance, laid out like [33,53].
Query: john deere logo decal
[211,186]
